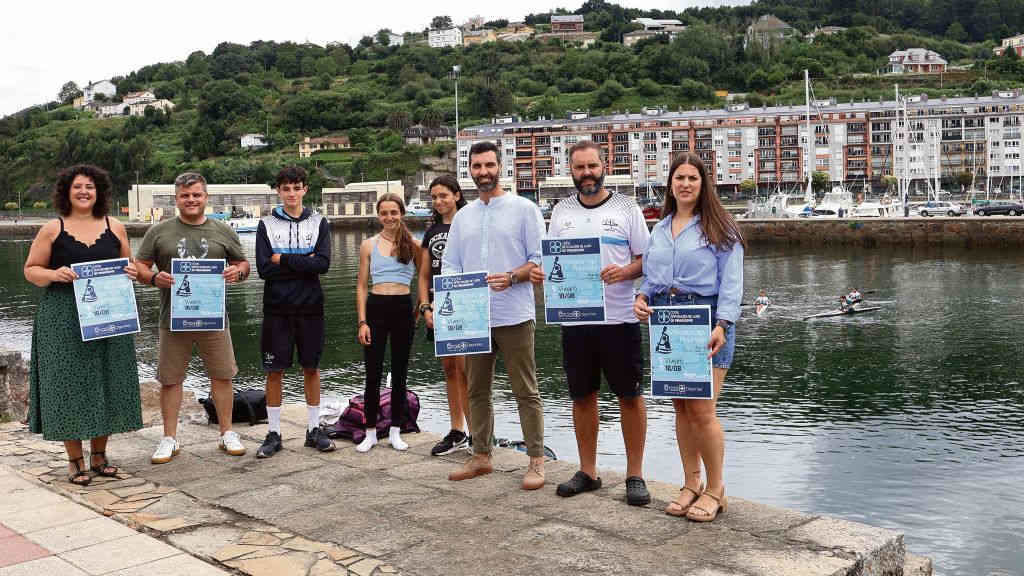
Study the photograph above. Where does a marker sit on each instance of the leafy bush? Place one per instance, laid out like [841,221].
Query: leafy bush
[39,204]
[648,87]
[10,206]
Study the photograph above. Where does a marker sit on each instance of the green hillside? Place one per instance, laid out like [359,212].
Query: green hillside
[372,91]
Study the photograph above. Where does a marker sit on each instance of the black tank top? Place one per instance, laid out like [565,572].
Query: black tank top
[67,250]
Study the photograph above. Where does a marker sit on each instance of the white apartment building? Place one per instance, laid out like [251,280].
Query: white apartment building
[449,37]
[89,91]
[252,140]
[857,143]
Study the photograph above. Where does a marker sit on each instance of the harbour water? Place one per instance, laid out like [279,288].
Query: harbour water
[910,418]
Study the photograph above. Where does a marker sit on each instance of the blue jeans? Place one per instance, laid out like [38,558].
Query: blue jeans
[723,359]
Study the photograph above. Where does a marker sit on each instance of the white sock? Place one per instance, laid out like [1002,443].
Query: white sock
[369,441]
[395,438]
[312,417]
[274,419]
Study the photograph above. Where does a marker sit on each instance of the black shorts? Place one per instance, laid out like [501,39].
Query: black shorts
[281,335]
[613,349]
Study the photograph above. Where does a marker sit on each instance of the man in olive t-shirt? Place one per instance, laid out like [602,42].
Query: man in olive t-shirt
[192,235]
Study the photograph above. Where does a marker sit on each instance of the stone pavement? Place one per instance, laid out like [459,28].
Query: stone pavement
[304,513]
[46,533]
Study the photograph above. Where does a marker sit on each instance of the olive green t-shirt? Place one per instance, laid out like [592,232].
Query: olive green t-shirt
[176,239]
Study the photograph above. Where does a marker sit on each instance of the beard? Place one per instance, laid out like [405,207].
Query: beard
[587,189]
[486,183]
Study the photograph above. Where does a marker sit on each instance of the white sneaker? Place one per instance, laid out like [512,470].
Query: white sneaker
[395,438]
[369,441]
[231,443]
[167,450]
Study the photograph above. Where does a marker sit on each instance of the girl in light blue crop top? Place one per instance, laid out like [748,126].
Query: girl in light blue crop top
[386,268]
[387,264]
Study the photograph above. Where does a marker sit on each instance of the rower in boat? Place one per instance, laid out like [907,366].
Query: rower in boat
[854,296]
[845,308]
[844,303]
[761,303]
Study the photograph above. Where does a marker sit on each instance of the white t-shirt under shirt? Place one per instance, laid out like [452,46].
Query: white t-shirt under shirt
[620,224]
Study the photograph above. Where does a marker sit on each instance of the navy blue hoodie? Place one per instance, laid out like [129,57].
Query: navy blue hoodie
[304,243]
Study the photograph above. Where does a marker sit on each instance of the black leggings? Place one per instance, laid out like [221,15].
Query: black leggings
[388,316]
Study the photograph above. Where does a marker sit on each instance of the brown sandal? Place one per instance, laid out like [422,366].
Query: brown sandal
[698,514]
[675,508]
[79,477]
[103,468]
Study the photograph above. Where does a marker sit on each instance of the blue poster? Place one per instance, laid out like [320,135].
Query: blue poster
[197,295]
[462,314]
[680,366]
[573,289]
[105,299]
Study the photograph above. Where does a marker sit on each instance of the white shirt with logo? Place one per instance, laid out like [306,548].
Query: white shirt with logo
[620,224]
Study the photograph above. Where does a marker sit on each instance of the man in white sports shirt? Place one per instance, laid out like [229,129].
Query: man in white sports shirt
[614,348]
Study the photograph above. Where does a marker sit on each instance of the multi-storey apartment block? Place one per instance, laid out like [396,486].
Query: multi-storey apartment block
[855,142]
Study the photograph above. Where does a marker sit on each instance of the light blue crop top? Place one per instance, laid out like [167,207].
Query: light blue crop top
[389,269]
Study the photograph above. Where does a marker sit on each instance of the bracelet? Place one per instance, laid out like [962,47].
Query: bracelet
[361,323]
[152,279]
[426,307]
[511,278]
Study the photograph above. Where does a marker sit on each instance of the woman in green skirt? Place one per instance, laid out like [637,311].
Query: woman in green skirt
[79,390]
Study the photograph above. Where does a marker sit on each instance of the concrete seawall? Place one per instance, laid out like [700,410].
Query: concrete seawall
[965,232]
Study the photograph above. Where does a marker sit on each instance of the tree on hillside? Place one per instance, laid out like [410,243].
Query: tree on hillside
[398,120]
[608,93]
[432,118]
[441,22]
[488,97]
[383,37]
[68,92]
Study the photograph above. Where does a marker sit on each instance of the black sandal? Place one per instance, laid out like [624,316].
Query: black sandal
[80,477]
[104,468]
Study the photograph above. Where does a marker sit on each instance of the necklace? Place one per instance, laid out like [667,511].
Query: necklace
[382,235]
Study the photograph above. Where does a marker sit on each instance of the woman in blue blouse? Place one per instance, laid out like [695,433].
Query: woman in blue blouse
[696,257]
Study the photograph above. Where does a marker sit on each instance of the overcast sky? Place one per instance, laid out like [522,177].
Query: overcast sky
[45,46]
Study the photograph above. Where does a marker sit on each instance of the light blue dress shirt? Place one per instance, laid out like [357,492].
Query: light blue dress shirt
[497,237]
[688,264]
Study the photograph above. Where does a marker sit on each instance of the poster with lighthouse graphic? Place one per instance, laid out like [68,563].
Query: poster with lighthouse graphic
[462,314]
[680,366]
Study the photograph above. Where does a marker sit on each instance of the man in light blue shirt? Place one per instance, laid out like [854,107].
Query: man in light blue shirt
[500,233]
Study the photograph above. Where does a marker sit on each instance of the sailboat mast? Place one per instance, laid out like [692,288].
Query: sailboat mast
[809,194]
[895,152]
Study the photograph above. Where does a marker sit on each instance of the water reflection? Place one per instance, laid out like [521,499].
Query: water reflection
[909,418]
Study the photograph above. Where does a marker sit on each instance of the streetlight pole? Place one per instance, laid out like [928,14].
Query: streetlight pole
[455,75]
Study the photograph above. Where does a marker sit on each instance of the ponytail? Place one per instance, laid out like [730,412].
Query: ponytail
[405,246]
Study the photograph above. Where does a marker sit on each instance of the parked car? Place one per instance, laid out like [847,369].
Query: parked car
[1007,208]
[940,208]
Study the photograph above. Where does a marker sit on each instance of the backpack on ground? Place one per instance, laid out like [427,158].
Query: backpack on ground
[249,406]
[352,424]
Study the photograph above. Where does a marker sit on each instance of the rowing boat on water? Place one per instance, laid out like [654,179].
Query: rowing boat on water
[848,312]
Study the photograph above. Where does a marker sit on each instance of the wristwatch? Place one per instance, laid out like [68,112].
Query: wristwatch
[724,325]
[511,278]
[425,307]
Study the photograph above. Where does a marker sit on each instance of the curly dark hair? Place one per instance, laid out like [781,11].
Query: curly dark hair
[292,175]
[99,177]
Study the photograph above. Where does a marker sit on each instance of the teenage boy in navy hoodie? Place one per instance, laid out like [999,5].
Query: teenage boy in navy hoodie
[293,248]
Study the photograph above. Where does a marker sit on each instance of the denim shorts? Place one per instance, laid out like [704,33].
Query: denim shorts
[723,359]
